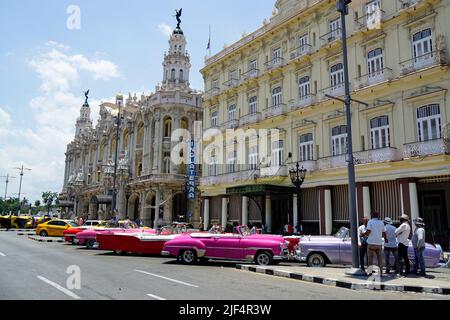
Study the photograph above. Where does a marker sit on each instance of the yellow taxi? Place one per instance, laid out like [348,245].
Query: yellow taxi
[54,228]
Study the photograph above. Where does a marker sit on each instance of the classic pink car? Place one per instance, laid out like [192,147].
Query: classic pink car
[240,246]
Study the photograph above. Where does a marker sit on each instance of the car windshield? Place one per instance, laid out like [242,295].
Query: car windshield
[215,230]
[342,233]
[72,224]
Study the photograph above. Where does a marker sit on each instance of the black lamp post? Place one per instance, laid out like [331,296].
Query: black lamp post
[297,176]
[118,119]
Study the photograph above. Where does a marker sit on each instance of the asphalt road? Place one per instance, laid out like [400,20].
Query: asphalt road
[34,270]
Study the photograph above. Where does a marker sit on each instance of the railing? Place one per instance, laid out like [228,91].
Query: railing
[158,178]
[373,78]
[213,92]
[371,21]
[238,176]
[332,162]
[331,36]
[377,156]
[250,118]
[430,59]
[274,171]
[231,83]
[250,74]
[301,51]
[304,102]
[275,111]
[309,165]
[405,4]
[274,63]
[336,90]
[426,148]
[232,124]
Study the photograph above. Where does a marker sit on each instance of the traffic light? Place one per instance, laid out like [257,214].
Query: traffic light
[342,6]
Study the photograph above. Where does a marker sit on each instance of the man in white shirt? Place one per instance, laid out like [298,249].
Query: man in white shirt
[402,234]
[362,242]
[375,233]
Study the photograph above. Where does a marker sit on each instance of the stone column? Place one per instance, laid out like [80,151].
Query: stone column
[175,125]
[121,202]
[328,212]
[206,214]
[294,210]
[414,202]
[157,202]
[268,214]
[244,210]
[366,201]
[157,144]
[224,212]
[145,150]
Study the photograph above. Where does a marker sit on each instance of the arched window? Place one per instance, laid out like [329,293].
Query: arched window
[167,128]
[304,87]
[253,105]
[172,75]
[339,140]
[306,147]
[337,75]
[375,63]
[422,43]
[181,75]
[276,97]
[379,132]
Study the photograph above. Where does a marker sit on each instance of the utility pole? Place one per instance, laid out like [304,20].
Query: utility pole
[20,184]
[7,177]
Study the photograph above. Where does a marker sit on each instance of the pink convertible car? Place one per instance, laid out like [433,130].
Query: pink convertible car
[238,246]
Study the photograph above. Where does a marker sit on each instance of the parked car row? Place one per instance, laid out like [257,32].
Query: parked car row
[189,245]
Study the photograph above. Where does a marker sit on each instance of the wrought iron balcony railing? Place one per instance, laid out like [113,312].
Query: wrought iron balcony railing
[239,176]
[336,90]
[231,83]
[250,118]
[377,156]
[427,60]
[213,92]
[231,124]
[303,102]
[274,64]
[274,171]
[371,21]
[274,111]
[250,74]
[331,36]
[301,51]
[372,78]
[426,148]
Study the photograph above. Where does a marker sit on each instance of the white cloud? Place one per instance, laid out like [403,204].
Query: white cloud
[53,112]
[165,29]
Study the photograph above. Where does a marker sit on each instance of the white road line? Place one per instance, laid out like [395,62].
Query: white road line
[57,286]
[2,254]
[155,297]
[169,279]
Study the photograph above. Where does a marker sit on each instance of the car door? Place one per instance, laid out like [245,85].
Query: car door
[345,251]
[224,246]
[52,227]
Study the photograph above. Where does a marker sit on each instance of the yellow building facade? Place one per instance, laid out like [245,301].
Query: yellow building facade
[279,76]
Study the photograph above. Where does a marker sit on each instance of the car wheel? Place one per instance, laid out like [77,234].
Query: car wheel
[264,258]
[90,244]
[316,260]
[188,256]
[43,233]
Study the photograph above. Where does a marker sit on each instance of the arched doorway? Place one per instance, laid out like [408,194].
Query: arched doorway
[133,207]
[150,203]
[179,208]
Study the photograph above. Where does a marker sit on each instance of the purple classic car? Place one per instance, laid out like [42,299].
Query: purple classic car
[318,251]
[240,245]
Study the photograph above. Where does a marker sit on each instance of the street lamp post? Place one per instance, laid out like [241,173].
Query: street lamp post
[116,156]
[7,177]
[20,184]
[297,176]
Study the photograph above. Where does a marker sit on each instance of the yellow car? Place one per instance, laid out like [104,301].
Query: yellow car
[54,228]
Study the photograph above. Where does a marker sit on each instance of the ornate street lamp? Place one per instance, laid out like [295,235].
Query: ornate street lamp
[297,176]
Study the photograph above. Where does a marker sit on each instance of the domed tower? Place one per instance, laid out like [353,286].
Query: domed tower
[176,63]
[84,122]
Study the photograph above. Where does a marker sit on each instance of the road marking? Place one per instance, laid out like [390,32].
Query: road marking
[57,286]
[169,279]
[155,297]
[2,254]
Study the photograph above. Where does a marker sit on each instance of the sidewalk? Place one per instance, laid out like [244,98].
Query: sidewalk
[437,282]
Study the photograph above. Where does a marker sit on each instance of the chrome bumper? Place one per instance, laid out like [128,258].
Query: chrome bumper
[165,253]
[299,256]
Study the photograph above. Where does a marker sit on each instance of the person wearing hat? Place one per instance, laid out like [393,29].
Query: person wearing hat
[402,234]
[418,242]
[391,247]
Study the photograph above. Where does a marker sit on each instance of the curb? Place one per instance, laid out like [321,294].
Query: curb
[39,239]
[15,230]
[344,284]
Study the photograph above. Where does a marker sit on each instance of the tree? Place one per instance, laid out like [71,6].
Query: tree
[37,203]
[48,198]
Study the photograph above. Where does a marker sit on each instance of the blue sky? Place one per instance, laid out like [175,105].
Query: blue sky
[45,67]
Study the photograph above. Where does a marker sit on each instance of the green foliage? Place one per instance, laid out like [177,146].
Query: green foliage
[49,198]
[9,205]
[37,203]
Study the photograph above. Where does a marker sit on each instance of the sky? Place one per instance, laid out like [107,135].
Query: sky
[50,55]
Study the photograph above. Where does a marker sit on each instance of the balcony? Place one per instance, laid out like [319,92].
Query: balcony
[426,148]
[336,91]
[303,102]
[373,78]
[251,74]
[309,165]
[274,63]
[371,21]
[212,92]
[339,161]
[427,60]
[275,111]
[159,178]
[377,156]
[331,36]
[229,178]
[230,125]
[274,171]
[250,118]
[231,83]
[406,4]
[301,51]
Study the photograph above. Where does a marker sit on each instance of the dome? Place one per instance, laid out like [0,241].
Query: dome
[119,96]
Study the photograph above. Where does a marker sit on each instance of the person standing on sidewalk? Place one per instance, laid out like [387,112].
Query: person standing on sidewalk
[391,246]
[402,234]
[362,243]
[418,242]
[375,234]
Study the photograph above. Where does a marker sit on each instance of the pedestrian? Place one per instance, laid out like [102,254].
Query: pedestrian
[391,247]
[126,223]
[298,228]
[418,242]
[362,243]
[290,230]
[375,234]
[402,234]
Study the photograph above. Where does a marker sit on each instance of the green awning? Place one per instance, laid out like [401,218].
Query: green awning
[260,189]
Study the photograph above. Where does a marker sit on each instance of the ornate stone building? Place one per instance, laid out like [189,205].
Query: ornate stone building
[149,185]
